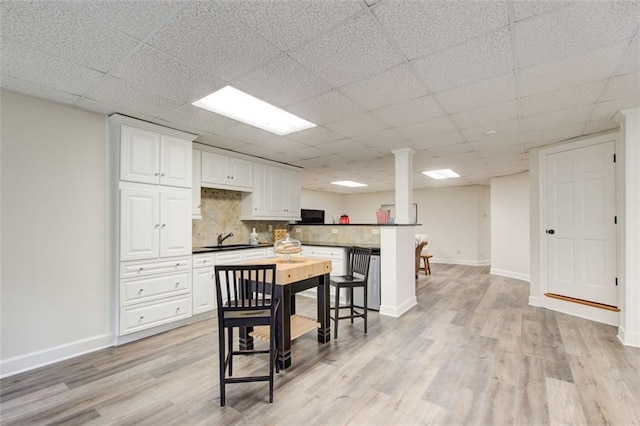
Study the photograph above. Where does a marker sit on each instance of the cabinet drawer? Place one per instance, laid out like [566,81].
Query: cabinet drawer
[226,258]
[254,254]
[141,316]
[136,290]
[324,252]
[139,269]
[202,260]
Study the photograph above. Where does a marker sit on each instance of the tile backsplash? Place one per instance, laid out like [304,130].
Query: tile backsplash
[344,234]
[221,211]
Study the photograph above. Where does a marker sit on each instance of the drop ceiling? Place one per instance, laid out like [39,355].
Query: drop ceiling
[469,85]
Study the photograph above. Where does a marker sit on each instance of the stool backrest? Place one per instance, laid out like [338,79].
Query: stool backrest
[245,286]
[360,259]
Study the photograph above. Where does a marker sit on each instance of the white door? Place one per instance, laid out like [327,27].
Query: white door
[580,230]
[175,224]
[139,155]
[139,224]
[176,155]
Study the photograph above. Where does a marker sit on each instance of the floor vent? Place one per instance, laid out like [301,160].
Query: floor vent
[583,302]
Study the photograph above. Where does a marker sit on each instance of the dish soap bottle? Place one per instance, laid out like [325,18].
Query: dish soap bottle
[253,240]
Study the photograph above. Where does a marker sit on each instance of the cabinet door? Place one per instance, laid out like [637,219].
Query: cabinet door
[291,194]
[204,290]
[241,172]
[139,224]
[176,157]
[215,168]
[175,227]
[196,189]
[139,155]
[274,205]
[258,197]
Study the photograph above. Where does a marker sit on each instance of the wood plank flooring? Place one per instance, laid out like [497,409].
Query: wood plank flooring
[471,353]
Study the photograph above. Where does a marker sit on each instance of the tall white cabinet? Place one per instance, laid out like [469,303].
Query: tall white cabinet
[152,209]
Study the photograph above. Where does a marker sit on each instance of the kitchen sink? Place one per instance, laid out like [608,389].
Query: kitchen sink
[229,247]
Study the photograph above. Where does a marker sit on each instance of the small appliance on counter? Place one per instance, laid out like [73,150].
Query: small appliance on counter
[286,247]
[344,219]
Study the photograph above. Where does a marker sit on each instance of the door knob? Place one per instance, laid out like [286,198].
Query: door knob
[550,231]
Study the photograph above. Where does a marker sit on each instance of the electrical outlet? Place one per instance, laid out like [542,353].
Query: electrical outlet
[298,230]
[334,231]
[375,231]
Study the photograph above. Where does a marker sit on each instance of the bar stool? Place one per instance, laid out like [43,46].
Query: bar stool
[424,263]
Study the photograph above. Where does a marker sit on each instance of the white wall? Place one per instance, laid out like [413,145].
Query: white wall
[56,301]
[510,226]
[331,203]
[454,218]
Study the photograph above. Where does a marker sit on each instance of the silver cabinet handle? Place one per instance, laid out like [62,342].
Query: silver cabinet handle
[140,269]
[140,291]
[162,174]
[157,225]
[164,224]
[141,318]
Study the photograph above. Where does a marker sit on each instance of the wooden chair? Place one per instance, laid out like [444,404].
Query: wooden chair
[357,277]
[419,248]
[250,290]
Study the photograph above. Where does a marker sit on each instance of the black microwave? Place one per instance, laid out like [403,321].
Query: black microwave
[311,216]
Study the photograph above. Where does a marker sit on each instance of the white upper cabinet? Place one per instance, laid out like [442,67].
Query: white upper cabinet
[221,171]
[154,223]
[275,196]
[196,189]
[147,156]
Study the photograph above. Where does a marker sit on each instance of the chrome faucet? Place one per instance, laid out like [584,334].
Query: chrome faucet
[221,238]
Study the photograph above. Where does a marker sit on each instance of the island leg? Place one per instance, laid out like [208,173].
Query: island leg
[324,332]
[283,292]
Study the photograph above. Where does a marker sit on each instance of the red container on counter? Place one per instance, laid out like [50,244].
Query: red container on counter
[344,219]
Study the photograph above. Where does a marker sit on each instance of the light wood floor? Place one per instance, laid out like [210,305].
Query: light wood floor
[471,352]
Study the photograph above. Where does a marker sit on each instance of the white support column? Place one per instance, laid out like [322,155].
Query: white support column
[628,173]
[397,249]
[404,184]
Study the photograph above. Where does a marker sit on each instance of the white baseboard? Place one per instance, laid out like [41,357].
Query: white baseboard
[535,301]
[33,360]
[510,274]
[627,338]
[460,261]
[398,311]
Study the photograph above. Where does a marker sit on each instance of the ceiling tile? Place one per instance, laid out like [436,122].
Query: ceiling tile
[623,86]
[477,95]
[475,60]
[306,152]
[438,143]
[556,118]
[390,87]
[120,93]
[506,129]
[415,110]
[37,67]
[287,23]
[281,144]
[353,51]
[222,142]
[206,121]
[384,138]
[550,135]
[247,133]
[136,18]
[55,28]
[498,144]
[223,48]
[607,110]
[314,135]
[580,27]
[570,72]
[357,125]
[162,74]
[527,8]
[571,97]
[630,62]
[487,115]
[326,108]
[427,129]
[423,27]
[282,82]
[16,85]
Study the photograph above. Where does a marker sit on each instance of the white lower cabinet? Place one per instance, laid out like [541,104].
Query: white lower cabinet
[204,283]
[153,293]
[338,256]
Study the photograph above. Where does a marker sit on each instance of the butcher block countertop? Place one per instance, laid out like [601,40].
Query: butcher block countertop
[298,269]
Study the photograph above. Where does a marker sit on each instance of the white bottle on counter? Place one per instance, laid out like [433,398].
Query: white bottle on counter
[253,240]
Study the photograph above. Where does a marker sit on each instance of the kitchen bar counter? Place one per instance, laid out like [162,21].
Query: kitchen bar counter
[375,248]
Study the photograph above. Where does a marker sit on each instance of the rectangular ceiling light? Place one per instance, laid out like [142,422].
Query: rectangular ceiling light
[235,104]
[348,183]
[441,174]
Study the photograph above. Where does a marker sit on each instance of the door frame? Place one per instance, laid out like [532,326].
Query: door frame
[579,310]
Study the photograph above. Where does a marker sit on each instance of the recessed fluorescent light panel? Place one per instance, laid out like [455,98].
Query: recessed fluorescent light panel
[235,104]
[441,174]
[348,183]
